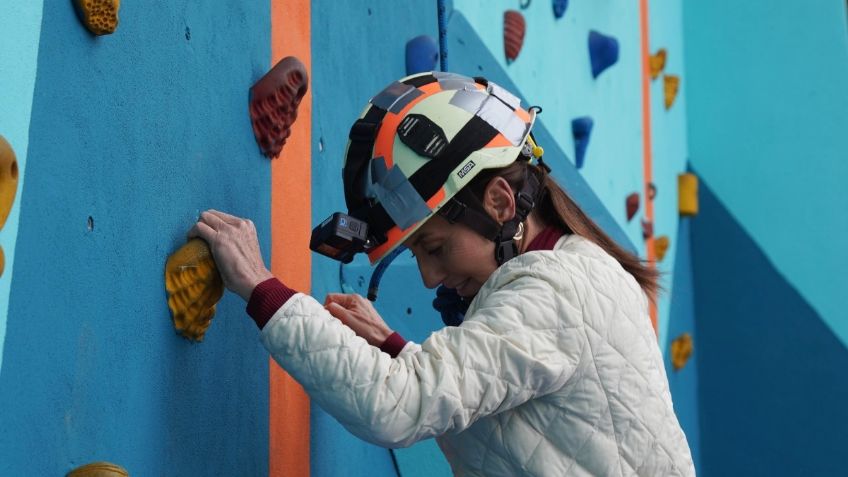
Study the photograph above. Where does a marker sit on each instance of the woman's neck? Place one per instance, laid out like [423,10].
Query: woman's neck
[532,228]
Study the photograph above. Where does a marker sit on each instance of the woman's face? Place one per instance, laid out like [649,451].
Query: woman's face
[452,255]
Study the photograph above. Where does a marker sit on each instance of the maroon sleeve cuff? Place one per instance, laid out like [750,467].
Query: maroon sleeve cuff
[393,344]
[266,299]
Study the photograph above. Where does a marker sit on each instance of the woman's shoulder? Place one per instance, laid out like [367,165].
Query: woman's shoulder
[574,262]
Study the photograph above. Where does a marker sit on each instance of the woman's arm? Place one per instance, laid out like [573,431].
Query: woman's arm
[519,344]
[524,340]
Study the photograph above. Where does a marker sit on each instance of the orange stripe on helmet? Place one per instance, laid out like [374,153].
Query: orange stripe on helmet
[499,141]
[393,236]
[385,141]
[437,197]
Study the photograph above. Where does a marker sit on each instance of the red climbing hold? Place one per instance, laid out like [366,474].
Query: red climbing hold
[514,28]
[632,205]
[273,104]
[647,229]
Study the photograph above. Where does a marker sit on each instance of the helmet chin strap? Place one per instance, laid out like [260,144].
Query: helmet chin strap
[506,247]
[463,208]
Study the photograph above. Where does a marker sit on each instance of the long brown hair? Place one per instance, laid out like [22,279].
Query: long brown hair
[556,207]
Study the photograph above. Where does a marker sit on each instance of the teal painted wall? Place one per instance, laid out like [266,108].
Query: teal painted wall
[20,28]
[768,114]
[140,130]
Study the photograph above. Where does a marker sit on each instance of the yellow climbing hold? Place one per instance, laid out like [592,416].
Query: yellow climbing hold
[671,85]
[661,247]
[657,63]
[687,192]
[100,17]
[99,469]
[681,351]
[194,287]
[2,261]
[8,179]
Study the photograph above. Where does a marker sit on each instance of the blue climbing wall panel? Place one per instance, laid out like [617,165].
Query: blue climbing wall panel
[138,131]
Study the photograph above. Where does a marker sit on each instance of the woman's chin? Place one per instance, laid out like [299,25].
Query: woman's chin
[466,289]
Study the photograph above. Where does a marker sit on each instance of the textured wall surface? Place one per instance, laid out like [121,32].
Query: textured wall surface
[767,116]
[768,110]
[772,387]
[20,28]
[140,131]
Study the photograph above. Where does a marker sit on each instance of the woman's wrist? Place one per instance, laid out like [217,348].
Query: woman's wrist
[249,284]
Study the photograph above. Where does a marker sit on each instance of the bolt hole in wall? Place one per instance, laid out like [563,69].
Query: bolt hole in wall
[90,224]
[188,34]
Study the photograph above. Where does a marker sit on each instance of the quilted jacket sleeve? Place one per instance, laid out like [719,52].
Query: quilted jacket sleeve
[521,340]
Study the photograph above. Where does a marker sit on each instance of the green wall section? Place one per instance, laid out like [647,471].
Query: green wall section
[767,117]
[140,131]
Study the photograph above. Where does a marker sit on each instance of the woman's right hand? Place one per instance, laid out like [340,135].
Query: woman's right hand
[359,315]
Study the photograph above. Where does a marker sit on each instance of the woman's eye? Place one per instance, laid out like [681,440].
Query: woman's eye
[434,251]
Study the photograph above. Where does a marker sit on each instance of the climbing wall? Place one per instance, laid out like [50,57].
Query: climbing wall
[768,114]
[126,138]
[119,124]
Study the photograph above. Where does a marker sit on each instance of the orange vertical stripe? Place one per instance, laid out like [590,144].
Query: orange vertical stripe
[291,216]
[646,140]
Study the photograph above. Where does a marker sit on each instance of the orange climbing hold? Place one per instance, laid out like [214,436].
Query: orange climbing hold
[194,287]
[657,63]
[100,17]
[99,469]
[273,104]
[671,85]
[661,247]
[8,179]
[687,192]
[632,205]
[681,351]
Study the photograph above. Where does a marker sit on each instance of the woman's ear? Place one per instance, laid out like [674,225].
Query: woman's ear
[498,200]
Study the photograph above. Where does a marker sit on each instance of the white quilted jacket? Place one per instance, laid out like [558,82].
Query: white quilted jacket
[555,371]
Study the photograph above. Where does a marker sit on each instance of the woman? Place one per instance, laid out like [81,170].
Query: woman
[555,368]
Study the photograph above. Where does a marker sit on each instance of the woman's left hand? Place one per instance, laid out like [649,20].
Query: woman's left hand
[359,315]
[235,249]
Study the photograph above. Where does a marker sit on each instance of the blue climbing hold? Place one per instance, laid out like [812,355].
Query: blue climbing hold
[559,8]
[422,53]
[581,129]
[603,52]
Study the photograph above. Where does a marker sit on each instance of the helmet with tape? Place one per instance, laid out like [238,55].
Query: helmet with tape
[419,142]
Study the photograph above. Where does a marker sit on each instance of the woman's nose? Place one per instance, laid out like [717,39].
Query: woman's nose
[431,274]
